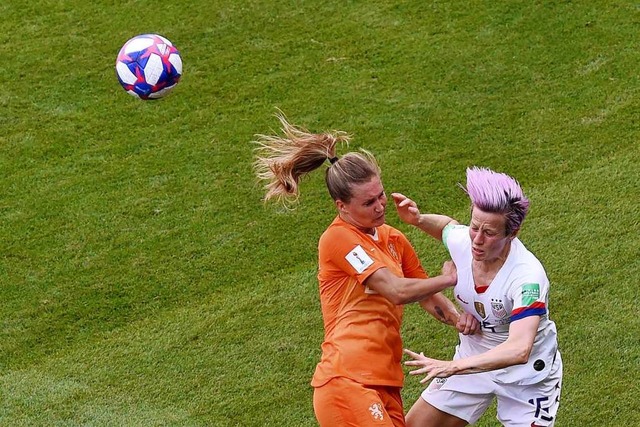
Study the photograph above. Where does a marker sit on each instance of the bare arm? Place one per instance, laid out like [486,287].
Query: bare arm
[403,290]
[408,211]
[441,307]
[514,351]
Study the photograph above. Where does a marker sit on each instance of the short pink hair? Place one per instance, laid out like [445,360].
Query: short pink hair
[497,192]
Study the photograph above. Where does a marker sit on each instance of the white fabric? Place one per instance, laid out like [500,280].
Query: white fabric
[468,397]
[519,289]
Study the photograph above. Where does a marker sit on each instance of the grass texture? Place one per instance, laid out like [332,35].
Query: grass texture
[144,283]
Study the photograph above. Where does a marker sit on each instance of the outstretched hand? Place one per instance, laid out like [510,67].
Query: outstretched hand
[407,209]
[433,368]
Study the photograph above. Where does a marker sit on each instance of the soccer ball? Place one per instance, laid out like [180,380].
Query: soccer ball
[148,66]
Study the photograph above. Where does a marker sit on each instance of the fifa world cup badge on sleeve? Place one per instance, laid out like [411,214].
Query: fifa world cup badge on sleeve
[359,259]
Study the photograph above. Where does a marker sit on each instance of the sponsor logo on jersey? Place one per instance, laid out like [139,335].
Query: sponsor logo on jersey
[480,309]
[460,298]
[359,259]
[376,411]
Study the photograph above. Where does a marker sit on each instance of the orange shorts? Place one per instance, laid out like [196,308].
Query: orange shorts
[342,402]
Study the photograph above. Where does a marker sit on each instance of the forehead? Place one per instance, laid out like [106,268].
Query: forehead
[367,190]
[487,219]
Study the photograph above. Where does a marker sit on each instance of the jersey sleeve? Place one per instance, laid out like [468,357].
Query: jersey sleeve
[411,265]
[341,251]
[529,298]
[455,238]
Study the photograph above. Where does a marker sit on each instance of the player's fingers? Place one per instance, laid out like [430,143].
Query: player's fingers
[414,363]
[419,371]
[412,354]
[474,325]
[398,197]
[467,329]
[426,379]
[406,202]
[466,325]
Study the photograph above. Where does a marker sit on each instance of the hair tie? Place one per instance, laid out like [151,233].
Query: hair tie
[332,160]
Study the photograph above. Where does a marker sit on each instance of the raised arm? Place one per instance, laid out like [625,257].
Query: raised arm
[408,211]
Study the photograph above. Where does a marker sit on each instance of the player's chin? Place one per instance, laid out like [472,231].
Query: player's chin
[477,255]
[379,221]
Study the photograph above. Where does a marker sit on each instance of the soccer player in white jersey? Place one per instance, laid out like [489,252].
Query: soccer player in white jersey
[515,356]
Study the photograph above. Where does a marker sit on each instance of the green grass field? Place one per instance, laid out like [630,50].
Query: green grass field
[144,283]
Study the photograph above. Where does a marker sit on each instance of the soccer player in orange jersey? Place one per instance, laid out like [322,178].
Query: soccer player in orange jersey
[367,271]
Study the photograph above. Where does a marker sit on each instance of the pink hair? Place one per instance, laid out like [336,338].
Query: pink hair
[497,192]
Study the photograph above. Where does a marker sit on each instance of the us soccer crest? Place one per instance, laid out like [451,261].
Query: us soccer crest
[480,309]
[498,310]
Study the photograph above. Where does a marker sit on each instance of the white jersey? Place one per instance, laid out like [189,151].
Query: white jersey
[520,289]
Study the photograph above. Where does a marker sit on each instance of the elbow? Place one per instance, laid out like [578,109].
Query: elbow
[398,298]
[522,355]
[408,294]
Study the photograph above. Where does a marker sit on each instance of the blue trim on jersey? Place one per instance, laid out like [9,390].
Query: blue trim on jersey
[529,312]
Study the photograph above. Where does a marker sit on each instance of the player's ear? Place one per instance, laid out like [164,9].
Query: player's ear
[340,205]
[514,233]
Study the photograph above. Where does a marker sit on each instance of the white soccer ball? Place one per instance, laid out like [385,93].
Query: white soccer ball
[148,66]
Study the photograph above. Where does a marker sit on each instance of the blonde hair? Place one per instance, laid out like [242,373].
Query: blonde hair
[282,161]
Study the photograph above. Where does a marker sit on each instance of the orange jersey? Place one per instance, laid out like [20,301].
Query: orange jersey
[361,327]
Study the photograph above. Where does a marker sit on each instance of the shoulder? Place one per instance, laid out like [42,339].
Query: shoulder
[334,231]
[455,235]
[391,232]
[525,261]
[338,238]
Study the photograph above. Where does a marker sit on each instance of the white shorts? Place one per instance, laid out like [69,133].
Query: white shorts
[469,396]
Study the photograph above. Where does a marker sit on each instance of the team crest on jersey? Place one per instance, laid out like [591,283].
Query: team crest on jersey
[498,310]
[392,250]
[480,309]
[376,411]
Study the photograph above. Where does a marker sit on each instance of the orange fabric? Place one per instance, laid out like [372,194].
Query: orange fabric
[345,403]
[361,328]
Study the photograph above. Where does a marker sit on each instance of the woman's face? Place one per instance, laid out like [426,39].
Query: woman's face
[366,208]
[488,239]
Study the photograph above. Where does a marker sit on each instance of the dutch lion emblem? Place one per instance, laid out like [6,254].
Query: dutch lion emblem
[376,411]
